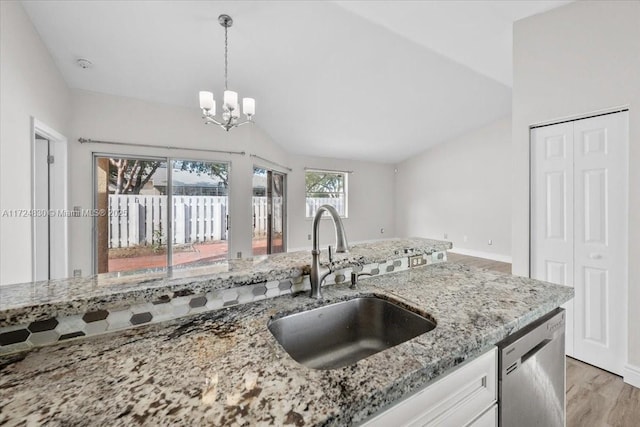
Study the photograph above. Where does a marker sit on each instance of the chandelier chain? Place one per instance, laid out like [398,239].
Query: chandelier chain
[226,61]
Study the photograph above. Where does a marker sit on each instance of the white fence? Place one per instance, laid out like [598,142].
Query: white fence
[143,219]
[314,203]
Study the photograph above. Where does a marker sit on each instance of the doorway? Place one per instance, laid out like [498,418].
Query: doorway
[579,229]
[269,211]
[50,254]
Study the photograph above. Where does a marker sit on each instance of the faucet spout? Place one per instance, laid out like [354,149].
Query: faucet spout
[341,246]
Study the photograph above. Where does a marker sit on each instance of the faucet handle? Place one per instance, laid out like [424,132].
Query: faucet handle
[330,255]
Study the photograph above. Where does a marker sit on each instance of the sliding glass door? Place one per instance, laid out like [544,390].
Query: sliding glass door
[159,212]
[200,194]
[269,211]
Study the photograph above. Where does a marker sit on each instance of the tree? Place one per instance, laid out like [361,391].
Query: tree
[129,176]
[324,184]
[214,170]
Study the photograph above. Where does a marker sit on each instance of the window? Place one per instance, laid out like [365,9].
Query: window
[159,213]
[325,188]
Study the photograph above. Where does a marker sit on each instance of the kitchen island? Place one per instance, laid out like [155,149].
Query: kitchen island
[224,367]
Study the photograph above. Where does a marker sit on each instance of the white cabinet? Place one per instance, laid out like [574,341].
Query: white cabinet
[465,397]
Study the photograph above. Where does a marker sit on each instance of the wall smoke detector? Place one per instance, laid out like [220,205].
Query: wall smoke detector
[84,63]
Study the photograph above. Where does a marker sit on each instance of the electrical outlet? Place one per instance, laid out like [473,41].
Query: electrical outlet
[446,235]
[416,261]
[77,272]
[239,255]
[308,236]
[490,242]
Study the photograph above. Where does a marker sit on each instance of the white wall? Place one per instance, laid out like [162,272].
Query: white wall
[462,188]
[370,201]
[31,86]
[577,59]
[113,118]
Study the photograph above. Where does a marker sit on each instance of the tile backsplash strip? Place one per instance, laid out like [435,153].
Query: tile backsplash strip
[22,337]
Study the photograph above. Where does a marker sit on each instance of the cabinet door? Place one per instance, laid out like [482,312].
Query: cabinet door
[552,210]
[455,400]
[488,419]
[600,177]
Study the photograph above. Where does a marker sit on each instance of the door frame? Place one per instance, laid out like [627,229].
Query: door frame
[625,285]
[285,219]
[59,238]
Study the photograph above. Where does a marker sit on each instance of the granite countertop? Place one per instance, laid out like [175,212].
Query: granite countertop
[79,295]
[225,368]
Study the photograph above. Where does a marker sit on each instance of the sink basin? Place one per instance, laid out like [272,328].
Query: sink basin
[340,334]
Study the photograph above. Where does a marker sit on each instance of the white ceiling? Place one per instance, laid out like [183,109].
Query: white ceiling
[368,80]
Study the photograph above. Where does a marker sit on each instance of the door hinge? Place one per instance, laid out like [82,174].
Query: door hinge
[50,160]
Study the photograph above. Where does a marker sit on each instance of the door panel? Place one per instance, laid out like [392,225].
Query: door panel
[601,239]
[552,209]
[579,185]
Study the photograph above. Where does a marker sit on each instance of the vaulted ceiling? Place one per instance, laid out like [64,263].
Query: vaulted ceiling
[368,80]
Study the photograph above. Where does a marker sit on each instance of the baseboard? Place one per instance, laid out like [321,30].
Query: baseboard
[631,375]
[480,254]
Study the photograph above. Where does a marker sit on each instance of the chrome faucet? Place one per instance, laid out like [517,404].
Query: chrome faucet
[341,247]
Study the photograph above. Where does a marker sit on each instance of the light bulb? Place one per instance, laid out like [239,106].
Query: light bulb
[249,106]
[206,101]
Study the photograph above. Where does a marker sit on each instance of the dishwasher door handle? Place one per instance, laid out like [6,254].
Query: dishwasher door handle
[534,350]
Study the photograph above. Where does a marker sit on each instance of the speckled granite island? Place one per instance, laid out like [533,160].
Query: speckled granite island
[224,367]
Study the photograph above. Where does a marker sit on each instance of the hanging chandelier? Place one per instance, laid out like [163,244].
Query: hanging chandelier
[230,107]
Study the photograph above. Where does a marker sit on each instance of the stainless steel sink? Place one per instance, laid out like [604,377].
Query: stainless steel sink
[340,334]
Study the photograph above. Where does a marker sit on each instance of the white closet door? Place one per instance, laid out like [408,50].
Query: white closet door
[600,177]
[552,210]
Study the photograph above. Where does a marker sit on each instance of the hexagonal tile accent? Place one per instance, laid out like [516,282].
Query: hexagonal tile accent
[214,301]
[43,325]
[259,290]
[229,295]
[162,312]
[273,292]
[96,327]
[140,318]
[42,338]
[119,319]
[71,335]
[198,302]
[272,284]
[181,309]
[70,324]
[14,337]
[245,294]
[94,316]
[284,285]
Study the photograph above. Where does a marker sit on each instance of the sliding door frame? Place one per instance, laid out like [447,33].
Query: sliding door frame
[169,161]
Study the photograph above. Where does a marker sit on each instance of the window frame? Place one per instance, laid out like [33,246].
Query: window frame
[345,191]
[169,160]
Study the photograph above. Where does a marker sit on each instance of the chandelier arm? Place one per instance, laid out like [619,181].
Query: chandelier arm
[210,119]
[244,123]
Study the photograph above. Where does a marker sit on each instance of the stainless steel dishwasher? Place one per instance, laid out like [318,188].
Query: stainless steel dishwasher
[531,374]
